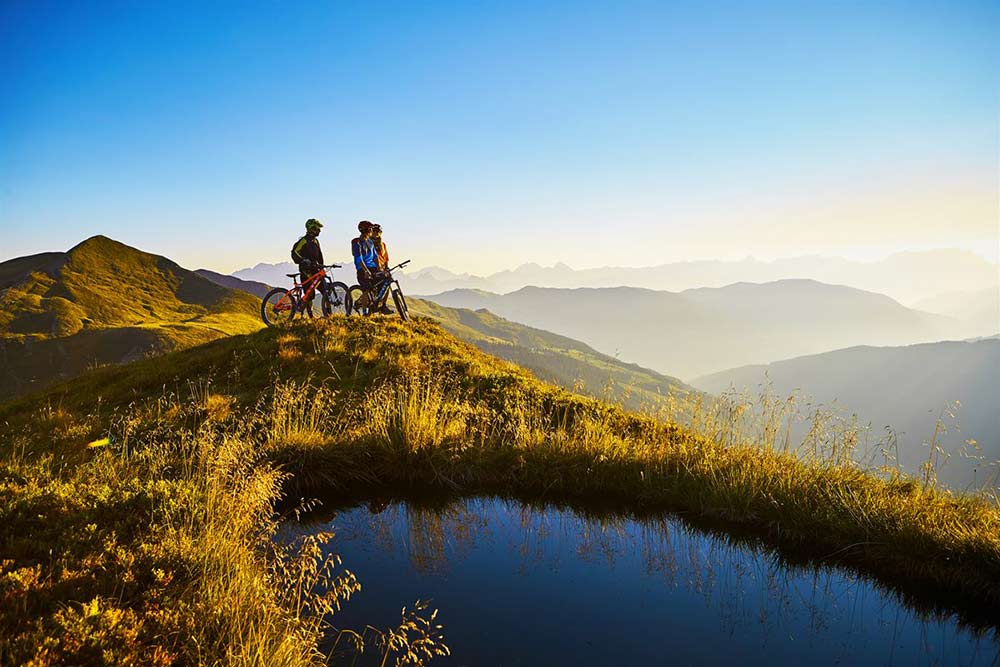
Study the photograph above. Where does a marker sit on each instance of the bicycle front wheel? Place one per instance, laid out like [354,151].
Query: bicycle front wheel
[279,306]
[337,299]
[400,301]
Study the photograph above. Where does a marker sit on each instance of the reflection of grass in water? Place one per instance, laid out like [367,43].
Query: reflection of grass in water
[744,583]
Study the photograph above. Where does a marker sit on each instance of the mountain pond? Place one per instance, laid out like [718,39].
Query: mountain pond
[519,585]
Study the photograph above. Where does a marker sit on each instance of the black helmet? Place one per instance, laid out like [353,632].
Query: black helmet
[364,226]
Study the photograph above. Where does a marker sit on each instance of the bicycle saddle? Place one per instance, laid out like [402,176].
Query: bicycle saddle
[292,275]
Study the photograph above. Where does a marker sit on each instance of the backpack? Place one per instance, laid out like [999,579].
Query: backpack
[296,257]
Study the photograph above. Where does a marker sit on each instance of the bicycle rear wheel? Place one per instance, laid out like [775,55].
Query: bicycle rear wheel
[279,306]
[400,301]
[337,299]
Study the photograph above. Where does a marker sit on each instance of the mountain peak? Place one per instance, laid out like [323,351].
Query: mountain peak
[103,283]
[97,241]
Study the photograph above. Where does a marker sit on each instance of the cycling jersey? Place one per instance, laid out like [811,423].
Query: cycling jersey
[382,253]
[364,253]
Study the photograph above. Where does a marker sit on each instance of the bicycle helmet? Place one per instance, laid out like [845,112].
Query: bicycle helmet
[364,226]
[313,225]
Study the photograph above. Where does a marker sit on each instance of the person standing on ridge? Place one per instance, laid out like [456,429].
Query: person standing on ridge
[366,261]
[381,250]
[382,254]
[308,255]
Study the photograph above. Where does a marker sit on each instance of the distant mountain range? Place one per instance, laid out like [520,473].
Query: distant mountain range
[907,277]
[907,388]
[706,330]
[276,274]
[978,310]
[257,289]
[103,302]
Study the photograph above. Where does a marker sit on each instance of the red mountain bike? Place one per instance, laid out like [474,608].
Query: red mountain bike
[281,305]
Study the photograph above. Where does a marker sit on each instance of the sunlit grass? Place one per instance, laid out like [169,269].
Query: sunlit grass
[202,442]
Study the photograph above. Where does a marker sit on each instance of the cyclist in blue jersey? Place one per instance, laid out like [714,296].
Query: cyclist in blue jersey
[366,261]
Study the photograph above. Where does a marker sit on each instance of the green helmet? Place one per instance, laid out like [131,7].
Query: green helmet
[313,225]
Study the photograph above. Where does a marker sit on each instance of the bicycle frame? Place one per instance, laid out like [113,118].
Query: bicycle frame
[305,289]
[381,288]
[375,297]
[312,281]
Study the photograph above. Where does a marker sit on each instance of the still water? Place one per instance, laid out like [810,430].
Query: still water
[518,585]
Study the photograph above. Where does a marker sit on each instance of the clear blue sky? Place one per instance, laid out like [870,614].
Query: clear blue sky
[487,134]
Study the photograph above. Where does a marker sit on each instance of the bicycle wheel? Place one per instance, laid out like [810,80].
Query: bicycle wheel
[337,299]
[279,306]
[354,301]
[400,301]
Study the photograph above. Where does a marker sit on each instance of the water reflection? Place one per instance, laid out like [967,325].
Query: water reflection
[523,585]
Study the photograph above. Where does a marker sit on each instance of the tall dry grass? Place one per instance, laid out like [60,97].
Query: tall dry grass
[166,549]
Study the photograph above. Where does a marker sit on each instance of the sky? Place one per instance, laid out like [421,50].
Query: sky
[485,135]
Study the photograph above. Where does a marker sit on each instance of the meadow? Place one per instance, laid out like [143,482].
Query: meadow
[140,501]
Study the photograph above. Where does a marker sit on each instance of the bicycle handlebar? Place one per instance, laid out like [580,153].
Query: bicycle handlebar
[399,266]
[332,266]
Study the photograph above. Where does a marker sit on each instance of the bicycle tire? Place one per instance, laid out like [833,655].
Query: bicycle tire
[400,301]
[341,301]
[279,306]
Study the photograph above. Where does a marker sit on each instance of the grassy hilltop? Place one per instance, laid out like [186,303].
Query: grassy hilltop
[155,542]
[103,302]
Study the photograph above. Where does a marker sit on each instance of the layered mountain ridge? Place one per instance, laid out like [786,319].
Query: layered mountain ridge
[706,330]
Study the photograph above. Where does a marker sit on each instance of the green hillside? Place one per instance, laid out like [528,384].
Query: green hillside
[137,502]
[103,302]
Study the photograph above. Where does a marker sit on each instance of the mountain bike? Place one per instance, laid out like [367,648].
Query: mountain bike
[281,305]
[372,300]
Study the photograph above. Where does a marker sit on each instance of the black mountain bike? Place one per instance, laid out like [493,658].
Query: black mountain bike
[371,301]
[281,305]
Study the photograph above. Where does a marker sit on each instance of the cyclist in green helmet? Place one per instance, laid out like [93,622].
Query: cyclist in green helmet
[308,255]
